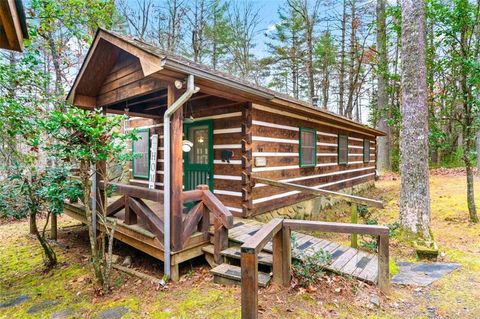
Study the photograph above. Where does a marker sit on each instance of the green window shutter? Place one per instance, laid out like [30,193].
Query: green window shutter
[141,154]
[342,149]
[308,147]
[366,150]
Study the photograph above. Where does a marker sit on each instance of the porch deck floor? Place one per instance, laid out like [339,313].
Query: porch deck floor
[346,261]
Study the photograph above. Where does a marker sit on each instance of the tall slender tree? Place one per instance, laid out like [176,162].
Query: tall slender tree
[244,20]
[309,12]
[286,48]
[325,58]
[383,143]
[216,32]
[415,191]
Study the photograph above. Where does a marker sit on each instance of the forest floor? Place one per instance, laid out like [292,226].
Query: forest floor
[68,291]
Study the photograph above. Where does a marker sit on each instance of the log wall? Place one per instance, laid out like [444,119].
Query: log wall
[227,135]
[275,137]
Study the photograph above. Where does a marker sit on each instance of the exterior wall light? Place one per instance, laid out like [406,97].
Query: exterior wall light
[187,146]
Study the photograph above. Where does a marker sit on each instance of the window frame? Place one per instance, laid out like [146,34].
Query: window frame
[300,146]
[365,150]
[338,149]
[134,175]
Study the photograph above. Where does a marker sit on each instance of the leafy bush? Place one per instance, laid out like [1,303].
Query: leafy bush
[308,268]
[371,242]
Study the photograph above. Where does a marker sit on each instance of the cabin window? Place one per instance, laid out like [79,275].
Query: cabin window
[141,154]
[366,150]
[308,147]
[342,149]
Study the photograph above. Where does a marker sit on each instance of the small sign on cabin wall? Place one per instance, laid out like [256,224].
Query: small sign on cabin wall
[260,161]
[153,161]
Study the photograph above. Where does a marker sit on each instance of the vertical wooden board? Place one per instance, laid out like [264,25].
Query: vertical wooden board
[383,263]
[249,290]
[176,173]
[247,159]
[130,216]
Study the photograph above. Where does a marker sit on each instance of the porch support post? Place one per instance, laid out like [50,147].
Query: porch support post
[176,171]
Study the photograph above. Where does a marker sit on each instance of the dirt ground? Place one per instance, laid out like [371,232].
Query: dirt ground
[196,296]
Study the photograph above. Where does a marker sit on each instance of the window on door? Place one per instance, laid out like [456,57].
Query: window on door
[141,154]
[308,147]
[200,150]
[342,149]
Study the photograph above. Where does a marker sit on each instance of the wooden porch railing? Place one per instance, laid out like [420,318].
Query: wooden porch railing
[208,205]
[279,230]
[197,218]
[352,199]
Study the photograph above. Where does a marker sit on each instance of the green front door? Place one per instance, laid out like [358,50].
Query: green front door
[198,163]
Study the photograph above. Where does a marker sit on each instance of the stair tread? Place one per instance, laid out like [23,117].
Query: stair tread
[209,249]
[235,273]
[235,252]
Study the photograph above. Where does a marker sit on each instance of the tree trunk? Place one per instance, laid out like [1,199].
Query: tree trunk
[51,257]
[351,71]
[478,153]
[341,80]
[383,142]
[415,192]
[472,210]
[86,184]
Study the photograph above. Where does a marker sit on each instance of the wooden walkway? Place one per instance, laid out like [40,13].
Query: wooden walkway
[346,261]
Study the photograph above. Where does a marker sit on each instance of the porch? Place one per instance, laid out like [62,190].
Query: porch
[137,214]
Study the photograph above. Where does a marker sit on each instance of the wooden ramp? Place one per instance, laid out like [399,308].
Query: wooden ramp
[346,261]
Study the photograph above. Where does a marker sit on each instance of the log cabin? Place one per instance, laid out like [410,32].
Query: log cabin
[206,135]
[13,26]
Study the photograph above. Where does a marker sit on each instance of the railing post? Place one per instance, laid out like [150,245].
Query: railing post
[130,217]
[205,223]
[220,240]
[282,257]
[249,267]
[383,263]
[354,218]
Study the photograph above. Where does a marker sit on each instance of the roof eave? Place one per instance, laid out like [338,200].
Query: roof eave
[188,69]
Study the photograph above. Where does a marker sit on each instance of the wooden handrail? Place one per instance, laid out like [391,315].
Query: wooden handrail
[218,209]
[155,195]
[320,192]
[279,230]
[257,242]
[344,228]
[199,218]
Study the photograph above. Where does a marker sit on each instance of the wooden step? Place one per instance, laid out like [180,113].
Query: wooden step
[226,274]
[235,253]
[208,252]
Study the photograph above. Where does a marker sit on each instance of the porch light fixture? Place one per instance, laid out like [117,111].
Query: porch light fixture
[178,84]
[187,146]
[189,120]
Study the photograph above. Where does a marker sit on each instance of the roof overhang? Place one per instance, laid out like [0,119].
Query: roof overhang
[101,56]
[13,26]
[163,66]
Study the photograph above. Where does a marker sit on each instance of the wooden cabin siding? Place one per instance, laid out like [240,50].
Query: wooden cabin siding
[276,138]
[126,80]
[155,127]
[227,135]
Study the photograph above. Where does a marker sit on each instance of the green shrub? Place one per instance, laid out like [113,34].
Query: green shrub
[308,267]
